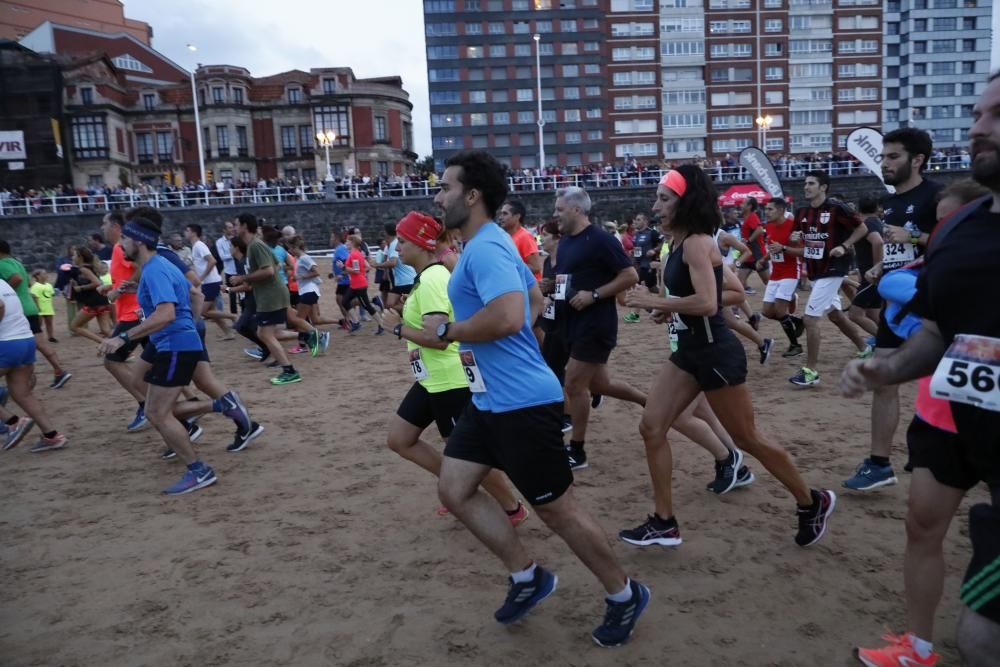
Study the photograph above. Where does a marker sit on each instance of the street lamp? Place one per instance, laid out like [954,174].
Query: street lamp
[541,120]
[326,139]
[764,123]
[197,122]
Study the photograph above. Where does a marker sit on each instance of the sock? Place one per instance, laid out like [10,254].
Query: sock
[51,434]
[576,444]
[289,368]
[879,460]
[624,595]
[12,421]
[525,575]
[670,521]
[923,647]
[788,325]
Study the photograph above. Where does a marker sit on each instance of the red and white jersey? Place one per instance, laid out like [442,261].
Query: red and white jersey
[783,265]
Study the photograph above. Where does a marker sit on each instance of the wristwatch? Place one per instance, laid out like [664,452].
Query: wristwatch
[398,330]
[124,336]
[595,295]
[442,331]
[915,235]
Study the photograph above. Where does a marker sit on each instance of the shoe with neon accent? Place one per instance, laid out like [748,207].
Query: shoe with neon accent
[17,431]
[806,377]
[620,617]
[522,597]
[520,515]
[869,476]
[899,653]
[286,378]
[138,421]
[653,530]
[298,349]
[865,353]
[813,520]
[312,340]
[631,318]
[58,441]
[192,481]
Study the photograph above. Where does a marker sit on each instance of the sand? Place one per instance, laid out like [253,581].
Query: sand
[319,546]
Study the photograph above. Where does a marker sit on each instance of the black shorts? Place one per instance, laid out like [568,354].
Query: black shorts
[555,352]
[714,366]
[953,460]
[342,289]
[884,337]
[421,408]
[385,286]
[293,298]
[867,297]
[980,589]
[211,291]
[121,355]
[35,322]
[272,317]
[309,298]
[594,348]
[527,444]
[173,369]
[149,350]
[401,289]
[647,277]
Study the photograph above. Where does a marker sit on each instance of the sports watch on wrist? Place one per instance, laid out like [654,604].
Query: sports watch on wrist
[398,330]
[124,336]
[442,331]
[596,295]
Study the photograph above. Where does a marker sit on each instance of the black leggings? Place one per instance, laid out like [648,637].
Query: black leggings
[246,326]
[361,294]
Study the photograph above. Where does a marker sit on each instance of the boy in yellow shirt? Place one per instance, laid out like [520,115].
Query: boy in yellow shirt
[43,294]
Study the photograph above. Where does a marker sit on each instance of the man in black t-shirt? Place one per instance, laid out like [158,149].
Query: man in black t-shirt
[591,268]
[645,250]
[868,253]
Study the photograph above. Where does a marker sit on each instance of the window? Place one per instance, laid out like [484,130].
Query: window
[919,69]
[288,146]
[222,140]
[812,71]
[858,23]
[90,138]
[165,146]
[774,97]
[943,45]
[636,29]
[942,90]
[772,49]
[968,89]
[446,120]
[920,90]
[86,96]
[567,25]
[735,74]
[731,99]
[731,26]
[522,27]
[501,118]
[439,6]
[474,52]
[525,94]
[549,115]
[571,93]
[525,117]
[594,135]
[593,113]
[206,141]
[774,73]
[800,46]
[691,119]
[242,149]
[946,67]
[731,50]
[435,75]
[857,70]
[638,150]
[294,95]
[735,121]
[673,97]
[968,45]
[445,97]
[573,137]
[892,28]
[857,117]
[128,61]
[590,47]
[336,118]
[473,28]
[943,112]
[592,91]
[441,52]
[945,23]
[499,96]
[237,96]
[773,25]
[968,67]
[495,27]
[682,48]
[811,117]
[592,68]
[729,145]
[807,22]
[568,49]
[448,143]
[569,71]
[548,93]
[148,101]
[774,144]
[477,97]
[969,23]
[476,119]
[144,146]
[440,29]
[523,50]
[381,129]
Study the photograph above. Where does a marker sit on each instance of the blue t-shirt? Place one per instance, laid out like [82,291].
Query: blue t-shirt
[340,254]
[161,282]
[402,274]
[280,253]
[512,368]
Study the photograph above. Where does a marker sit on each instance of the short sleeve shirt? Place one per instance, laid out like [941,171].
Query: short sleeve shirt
[356,261]
[162,282]
[750,223]
[43,293]
[126,304]
[824,227]
[430,295]
[303,265]
[643,241]
[512,368]
[916,211]
[863,249]
[526,245]
[784,266]
[10,267]
[340,255]
[270,294]
[402,274]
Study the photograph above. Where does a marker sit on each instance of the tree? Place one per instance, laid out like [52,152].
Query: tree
[425,166]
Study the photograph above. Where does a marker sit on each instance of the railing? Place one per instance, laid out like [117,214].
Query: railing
[275,194]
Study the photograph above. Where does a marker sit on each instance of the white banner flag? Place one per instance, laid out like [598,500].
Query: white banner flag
[12,145]
[865,143]
[757,163]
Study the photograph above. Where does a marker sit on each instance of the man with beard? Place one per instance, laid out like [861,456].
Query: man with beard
[959,343]
[909,217]
[513,420]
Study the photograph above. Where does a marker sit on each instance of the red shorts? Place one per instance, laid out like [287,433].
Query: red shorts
[96,310]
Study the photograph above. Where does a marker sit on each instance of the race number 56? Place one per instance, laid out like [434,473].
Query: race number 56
[969,373]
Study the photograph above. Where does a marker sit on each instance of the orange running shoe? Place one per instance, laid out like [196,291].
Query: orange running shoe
[899,653]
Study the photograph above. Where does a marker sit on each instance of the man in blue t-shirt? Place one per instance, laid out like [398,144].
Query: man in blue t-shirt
[591,270]
[514,420]
[403,275]
[340,253]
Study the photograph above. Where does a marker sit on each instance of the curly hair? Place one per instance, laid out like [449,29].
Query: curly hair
[697,212]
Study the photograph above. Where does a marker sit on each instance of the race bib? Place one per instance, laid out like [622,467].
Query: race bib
[899,254]
[417,365]
[777,256]
[562,284]
[815,249]
[969,372]
[472,373]
[550,310]
[637,252]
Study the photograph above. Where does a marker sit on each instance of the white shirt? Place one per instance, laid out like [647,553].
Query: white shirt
[14,325]
[303,264]
[225,249]
[202,258]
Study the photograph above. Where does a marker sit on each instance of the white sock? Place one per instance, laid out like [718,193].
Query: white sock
[625,594]
[923,647]
[525,575]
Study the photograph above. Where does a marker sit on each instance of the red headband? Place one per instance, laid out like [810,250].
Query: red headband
[675,182]
[419,229]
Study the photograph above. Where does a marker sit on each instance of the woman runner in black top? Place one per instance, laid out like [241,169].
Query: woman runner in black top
[708,359]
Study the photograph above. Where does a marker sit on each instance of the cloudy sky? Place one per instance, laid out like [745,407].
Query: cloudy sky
[374,38]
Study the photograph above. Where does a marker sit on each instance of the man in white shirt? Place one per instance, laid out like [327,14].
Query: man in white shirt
[211,282]
[224,247]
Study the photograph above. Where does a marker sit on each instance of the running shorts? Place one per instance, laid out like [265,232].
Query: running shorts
[172,369]
[714,366]
[308,298]
[783,289]
[867,297]
[16,353]
[824,296]
[96,310]
[272,318]
[35,322]
[594,348]
[647,277]
[149,351]
[954,461]
[885,337]
[421,408]
[527,444]
[121,355]
[293,298]
[211,291]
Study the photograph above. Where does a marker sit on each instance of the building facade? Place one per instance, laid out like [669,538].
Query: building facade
[937,60]
[19,17]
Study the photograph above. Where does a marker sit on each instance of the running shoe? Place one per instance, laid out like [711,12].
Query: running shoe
[726,473]
[518,516]
[61,379]
[192,481]
[168,454]
[298,349]
[274,364]
[744,477]
[567,424]
[234,408]
[631,318]
[313,342]
[379,331]
[765,350]
[138,421]
[254,353]
[749,290]
[813,520]
[620,618]
[865,353]
[53,340]
[577,458]
[194,431]
[243,438]
[15,432]
[806,377]
[521,597]
[754,321]
[793,351]
[596,401]
[653,530]
[354,327]
[324,341]
[899,653]
[286,378]
[870,341]
[58,441]
[4,395]
[869,476]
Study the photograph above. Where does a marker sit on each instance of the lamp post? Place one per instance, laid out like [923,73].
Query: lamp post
[197,123]
[326,139]
[541,121]
[763,125]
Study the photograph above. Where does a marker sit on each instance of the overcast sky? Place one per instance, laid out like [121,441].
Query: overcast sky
[374,38]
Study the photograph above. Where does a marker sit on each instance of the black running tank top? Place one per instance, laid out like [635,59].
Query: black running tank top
[692,329]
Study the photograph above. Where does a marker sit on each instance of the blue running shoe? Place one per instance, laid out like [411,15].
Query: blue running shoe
[254,353]
[620,618]
[138,421]
[522,597]
[324,341]
[869,476]
[192,481]
[231,406]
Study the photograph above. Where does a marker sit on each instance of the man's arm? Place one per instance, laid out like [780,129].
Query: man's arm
[536,302]
[626,278]
[917,358]
[501,317]
[534,262]
[161,317]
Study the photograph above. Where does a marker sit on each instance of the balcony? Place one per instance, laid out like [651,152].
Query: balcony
[145,158]
[242,152]
[165,157]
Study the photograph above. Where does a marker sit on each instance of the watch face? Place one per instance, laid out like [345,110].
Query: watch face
[442,329]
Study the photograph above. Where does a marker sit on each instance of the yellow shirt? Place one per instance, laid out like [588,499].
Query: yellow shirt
[43,293]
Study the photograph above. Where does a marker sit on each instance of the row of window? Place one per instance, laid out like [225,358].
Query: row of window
[944,111]
[445,74]
[503,96]
[895,5]
[450,28]
[450,6]
[943,46]
[943,89]
[940,23]
[522,139]
[943,67]
[504,117]
[453,52]
[778,4]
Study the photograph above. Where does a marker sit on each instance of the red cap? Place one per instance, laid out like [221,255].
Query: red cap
[420,229]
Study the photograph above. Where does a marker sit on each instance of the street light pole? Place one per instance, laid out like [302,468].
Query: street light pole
[326,138]
[541,121]
[197,122]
